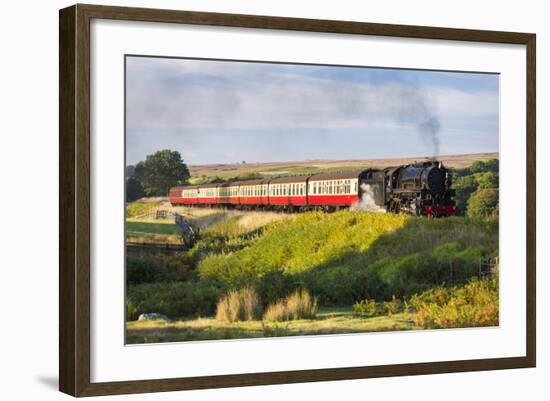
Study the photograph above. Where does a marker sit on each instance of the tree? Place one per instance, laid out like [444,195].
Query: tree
[134,190]
[464,187]
[487,180]
[483,203]
[161,171]
[130,171]
[484,166]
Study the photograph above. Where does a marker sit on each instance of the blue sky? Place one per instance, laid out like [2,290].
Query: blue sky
[228,111]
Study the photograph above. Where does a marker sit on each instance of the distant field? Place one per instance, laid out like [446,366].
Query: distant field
[328,321]
[270,169]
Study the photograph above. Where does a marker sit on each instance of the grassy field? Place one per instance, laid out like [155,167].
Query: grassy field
[134,209]
[152,230]
[328,321]
[275,169]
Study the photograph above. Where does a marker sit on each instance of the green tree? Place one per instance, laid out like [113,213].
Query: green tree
[484,166]
[161,171]
[464,187]
[483,203]
[487,180]
[134,190]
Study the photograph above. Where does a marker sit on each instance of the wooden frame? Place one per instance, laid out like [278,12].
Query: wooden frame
[74,204]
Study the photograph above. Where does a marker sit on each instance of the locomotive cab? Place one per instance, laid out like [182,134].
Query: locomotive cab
[375,182]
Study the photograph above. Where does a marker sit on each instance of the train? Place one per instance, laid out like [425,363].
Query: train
[422,189]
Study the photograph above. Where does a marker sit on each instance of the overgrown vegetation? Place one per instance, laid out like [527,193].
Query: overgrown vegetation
[370,308]
[477,189]
[345,257]
[174,299]
[473,305]
[151,267]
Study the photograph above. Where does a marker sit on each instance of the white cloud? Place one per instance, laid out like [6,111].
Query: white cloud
[189,95]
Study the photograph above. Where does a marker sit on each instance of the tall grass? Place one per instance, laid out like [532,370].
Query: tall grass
[298,305]
[239,305]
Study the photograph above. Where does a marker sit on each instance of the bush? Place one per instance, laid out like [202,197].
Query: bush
[483,203]
[175,299]
[157,267]
[370,308]
[473,305]
[239,305]
[365,308]
[298,305]
[392,307]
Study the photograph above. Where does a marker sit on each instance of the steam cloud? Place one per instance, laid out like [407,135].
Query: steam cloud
[366,203]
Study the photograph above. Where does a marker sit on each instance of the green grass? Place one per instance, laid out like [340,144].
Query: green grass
[328,321]
[296,246]
[140,208]
[152,231]
[347,256]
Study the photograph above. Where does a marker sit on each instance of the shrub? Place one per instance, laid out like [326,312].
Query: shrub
[482,203]
[275,285]
[298,305]
[157,267]
[473,305]
[175,299]
[239,305]
[365,308]
[392,307]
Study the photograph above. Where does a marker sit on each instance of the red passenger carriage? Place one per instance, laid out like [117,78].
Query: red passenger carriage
[288,191]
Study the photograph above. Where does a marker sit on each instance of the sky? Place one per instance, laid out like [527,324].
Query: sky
[231,111]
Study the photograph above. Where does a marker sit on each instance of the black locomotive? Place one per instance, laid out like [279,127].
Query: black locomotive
[419,188]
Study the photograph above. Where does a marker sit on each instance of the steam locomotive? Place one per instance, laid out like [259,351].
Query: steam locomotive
[422,189]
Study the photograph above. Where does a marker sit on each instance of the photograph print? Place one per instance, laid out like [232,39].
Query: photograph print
[280,199]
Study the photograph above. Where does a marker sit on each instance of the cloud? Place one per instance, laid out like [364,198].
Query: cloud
[189,95]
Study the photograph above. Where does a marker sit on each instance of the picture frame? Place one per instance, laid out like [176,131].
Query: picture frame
[76,200]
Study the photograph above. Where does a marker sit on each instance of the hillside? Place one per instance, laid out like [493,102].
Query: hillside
[270,169]
[345,256]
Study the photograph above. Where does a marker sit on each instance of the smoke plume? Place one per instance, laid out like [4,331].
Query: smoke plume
[416,108]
